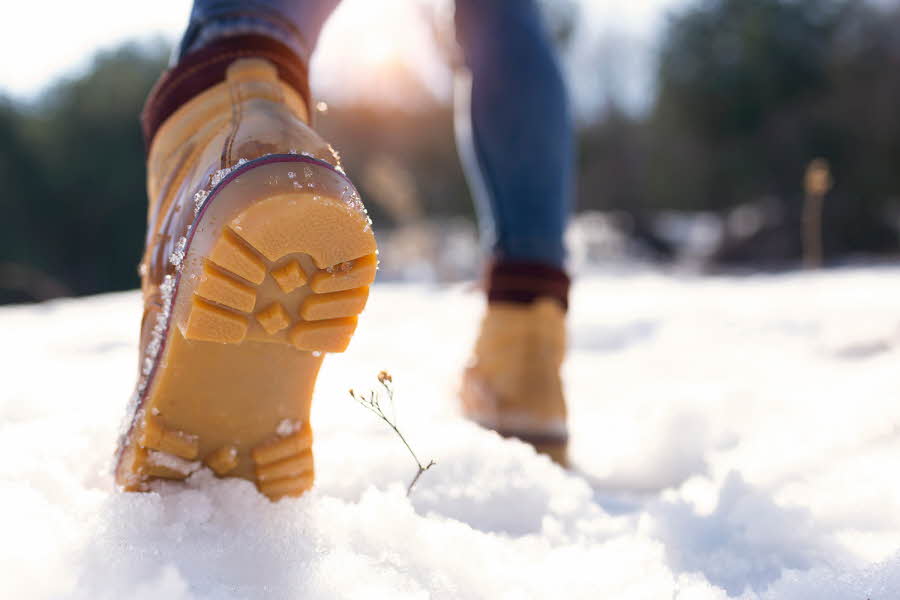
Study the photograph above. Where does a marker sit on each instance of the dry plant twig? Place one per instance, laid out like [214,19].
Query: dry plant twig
[373,403]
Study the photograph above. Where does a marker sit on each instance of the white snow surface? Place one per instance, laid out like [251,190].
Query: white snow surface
[732,437]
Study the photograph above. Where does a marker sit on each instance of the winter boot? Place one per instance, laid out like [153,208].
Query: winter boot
[259,257]
[512,384]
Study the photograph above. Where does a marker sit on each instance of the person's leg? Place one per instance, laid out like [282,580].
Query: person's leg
[295,23]
[517,126]
[515,138]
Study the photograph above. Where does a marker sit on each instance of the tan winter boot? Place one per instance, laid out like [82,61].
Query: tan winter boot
[513,382]
[259,257]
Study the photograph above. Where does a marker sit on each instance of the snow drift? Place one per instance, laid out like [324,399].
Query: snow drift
[732,437]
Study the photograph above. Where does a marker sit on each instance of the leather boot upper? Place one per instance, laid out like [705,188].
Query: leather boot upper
[252,113]
[513,382]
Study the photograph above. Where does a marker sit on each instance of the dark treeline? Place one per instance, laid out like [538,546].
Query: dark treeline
[72,181]
[748,93]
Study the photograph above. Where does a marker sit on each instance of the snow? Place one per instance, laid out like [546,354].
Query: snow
[199,199]
[732,436]
[175,463]
[286,427]
[177,256]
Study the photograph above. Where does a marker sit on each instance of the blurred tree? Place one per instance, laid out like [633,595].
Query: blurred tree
[750,92]
[736,80]
[20,178]
[72,186]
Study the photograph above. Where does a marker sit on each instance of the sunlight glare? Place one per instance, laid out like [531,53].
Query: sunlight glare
[379,51]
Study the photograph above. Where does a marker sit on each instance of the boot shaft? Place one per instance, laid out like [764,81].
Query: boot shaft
[252,113]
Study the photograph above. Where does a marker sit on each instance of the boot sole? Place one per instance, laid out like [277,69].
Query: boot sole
[273,275]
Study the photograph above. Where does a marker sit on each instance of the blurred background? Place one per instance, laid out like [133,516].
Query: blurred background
[712,134]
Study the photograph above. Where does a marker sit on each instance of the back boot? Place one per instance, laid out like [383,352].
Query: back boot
[512,384]
[259,257]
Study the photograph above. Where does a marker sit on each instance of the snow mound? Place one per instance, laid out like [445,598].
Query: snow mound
[731,437]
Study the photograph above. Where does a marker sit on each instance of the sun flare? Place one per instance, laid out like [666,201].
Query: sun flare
[378,51]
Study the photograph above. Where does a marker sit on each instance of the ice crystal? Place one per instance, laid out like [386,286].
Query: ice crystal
[351,198]
[175,463]
[335,154]
[166,290]
[132,414]
[218,176]
[288,426]
[221,174]
[167,287]
[340,268]
[130,409]
[177,256]
[199,199]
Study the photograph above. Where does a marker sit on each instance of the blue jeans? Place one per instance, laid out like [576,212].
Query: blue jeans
[514,129]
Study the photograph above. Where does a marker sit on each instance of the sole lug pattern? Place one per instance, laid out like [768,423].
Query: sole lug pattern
[332,335]
[177,443]
[348,303]
[289,277]
[210,323]
[232,254]
[345,276]
[282,283]
[284,465]
[289,486]
[326,300]
[223,460]
[225,290]
[282,447]
[273,319]
[289,467]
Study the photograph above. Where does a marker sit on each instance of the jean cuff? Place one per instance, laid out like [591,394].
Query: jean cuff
[202,34]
